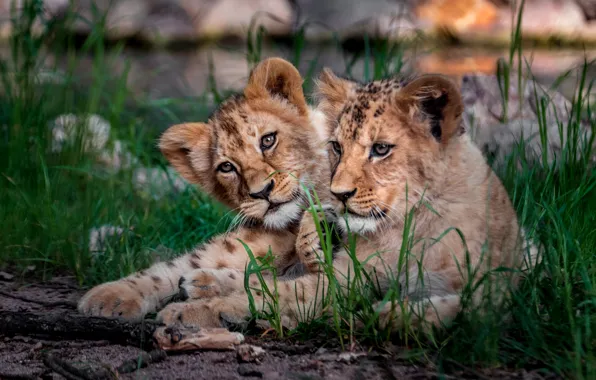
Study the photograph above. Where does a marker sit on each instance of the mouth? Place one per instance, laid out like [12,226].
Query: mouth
[375,213]
[275,206]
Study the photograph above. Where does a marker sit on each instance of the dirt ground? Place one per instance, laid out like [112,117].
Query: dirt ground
[21,357]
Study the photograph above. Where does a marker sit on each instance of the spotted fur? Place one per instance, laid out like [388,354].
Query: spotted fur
[258,153]
[432,170]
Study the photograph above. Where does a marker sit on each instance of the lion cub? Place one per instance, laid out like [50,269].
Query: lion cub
[258,153]
[395,148]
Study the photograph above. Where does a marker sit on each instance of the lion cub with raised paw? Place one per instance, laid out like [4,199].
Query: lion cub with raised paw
[396,147]
[258,153]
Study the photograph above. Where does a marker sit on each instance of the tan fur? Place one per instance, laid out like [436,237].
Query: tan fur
[273,102]
[432,162]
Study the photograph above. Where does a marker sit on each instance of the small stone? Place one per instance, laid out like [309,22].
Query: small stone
[248,353]
[249,370]
[94,130]
[349,357]
[99,236]
[6,276]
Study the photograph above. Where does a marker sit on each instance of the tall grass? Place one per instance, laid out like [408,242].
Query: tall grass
[49,202]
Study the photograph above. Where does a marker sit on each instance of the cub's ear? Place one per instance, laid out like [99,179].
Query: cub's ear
[332,92]
[276,77]
[434,101]
[187,147]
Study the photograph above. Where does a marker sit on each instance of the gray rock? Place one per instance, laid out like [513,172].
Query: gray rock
[498,130]
[352,17]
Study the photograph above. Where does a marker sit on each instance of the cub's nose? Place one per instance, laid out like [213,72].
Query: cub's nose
[265,192]
[343,196]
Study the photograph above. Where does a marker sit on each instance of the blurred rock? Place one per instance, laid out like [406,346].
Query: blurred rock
[493,21]
[93,130]
[457,15]
[100,236]
[214,18]
[156,183]
[168,22]
[353,18]
[118,157]
[498,130]
[126,18]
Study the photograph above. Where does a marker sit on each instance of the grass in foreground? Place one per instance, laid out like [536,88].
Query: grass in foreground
[50,201]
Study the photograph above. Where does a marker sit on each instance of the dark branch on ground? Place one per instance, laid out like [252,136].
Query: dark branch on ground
[67,325]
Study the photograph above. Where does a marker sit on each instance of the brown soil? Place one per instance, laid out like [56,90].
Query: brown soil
[21,357]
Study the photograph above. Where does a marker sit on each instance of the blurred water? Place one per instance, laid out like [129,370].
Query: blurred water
[156,74]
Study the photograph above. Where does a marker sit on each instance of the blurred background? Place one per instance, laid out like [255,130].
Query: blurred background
[87,87]
[169,44]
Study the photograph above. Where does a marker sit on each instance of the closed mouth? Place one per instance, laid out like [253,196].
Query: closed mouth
[274,206]
[353,213]
[374,213]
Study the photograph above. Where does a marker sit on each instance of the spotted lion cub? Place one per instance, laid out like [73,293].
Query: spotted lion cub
[397,147]
[257,154]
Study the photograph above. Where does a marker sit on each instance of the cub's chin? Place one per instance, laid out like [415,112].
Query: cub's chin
[357,224]
[283,215]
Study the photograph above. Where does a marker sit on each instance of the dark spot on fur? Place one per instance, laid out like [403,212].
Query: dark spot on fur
[170,264]
[433,109]
[258,294]
[156,279]
[130,280]
[155,288]
[420,171]
[232,276]
[277,87]
[141,294]
[229,246]
[379,111]
[194,264]
[221,264]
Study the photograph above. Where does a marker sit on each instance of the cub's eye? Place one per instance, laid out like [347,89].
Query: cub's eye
[268,140]
[380,150]
[336,147]
[226,167]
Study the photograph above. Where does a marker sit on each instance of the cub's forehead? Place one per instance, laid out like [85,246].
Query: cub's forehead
[234,125]
[363,114]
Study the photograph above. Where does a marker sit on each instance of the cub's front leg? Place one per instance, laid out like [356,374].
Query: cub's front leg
[146,291]
[309,247]
[209,282]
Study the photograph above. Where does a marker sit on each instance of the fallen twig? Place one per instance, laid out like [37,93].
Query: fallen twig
[142,361]
[70,304]
[176,339]
[66,325]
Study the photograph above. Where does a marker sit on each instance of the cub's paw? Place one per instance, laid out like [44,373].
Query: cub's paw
[194,314]
[308,243]
[209,283]
[115,299]
[215,312]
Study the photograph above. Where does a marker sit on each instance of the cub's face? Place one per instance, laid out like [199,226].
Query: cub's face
[386,142]
[257,150]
